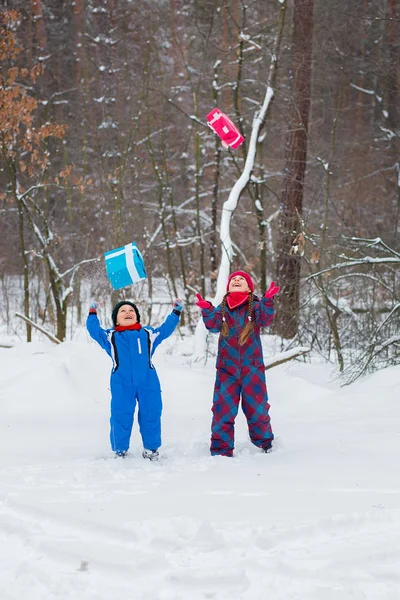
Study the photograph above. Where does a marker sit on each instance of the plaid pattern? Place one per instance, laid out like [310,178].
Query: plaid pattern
[262,315]
[240,375]
[250,385]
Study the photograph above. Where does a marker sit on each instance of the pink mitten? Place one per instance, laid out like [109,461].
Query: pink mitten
[272,290]
[201,303]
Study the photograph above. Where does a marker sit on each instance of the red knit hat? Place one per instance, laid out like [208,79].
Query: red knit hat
[241,274]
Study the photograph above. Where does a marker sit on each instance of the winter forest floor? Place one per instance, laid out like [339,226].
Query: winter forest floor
[316,519]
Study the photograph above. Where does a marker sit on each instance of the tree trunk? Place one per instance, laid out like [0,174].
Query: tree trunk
[197,177]
[40,30]
[392,95]
[288,265]
[215,190]
[392,90]
[22,246]
[25,268]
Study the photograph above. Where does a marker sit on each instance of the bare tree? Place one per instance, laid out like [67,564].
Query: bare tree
[23,149]
[231,203]
[288,265]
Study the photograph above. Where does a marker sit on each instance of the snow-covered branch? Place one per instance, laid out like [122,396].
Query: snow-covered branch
[381,283]
[231,203]
[383,345]
[39,328]
[370,243]
[394,309]
[283,357]
[79,264]
[367,260]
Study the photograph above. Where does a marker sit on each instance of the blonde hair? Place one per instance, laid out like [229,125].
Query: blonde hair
[248,328]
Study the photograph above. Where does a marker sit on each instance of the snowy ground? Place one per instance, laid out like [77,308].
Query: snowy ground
[317,519]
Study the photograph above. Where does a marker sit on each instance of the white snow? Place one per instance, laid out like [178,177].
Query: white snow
[258,205]
[316,519]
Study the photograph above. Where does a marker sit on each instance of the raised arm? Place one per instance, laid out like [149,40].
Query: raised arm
[211,316]
[95,330]
[265,310]
[168,327]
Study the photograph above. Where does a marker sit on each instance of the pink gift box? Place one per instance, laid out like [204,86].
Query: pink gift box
[224,128]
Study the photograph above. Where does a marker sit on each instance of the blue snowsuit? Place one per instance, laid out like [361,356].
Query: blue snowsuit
[133,378]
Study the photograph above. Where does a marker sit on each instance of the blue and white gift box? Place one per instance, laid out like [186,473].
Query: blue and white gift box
[124,266]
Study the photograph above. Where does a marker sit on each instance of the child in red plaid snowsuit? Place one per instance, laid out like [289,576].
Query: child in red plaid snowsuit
[240,365]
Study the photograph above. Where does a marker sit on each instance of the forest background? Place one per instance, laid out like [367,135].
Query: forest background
[104,142]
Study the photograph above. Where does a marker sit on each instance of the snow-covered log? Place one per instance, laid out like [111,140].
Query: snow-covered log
[39,328]
[283,357]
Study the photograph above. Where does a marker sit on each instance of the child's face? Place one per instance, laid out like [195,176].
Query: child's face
[126,315]
[238,284]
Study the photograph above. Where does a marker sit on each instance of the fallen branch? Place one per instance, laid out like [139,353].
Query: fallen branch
[39,328]
[279,359]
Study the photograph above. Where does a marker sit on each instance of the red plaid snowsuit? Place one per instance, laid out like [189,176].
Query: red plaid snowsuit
[240,373]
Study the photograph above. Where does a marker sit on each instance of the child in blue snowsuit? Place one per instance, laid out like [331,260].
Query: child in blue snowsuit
[240,365]
[133,378]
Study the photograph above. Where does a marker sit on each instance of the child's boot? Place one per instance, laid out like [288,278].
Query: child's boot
[152,455]
[121,453]
[267,447]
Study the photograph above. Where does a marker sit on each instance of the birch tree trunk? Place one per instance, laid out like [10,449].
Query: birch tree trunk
[288,265]
[25,265]
[231,203]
